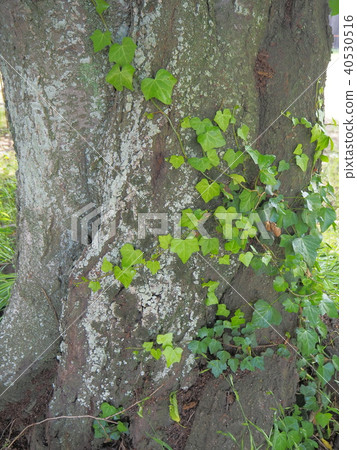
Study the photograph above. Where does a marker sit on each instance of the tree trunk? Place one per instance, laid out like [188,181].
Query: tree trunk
[64,349]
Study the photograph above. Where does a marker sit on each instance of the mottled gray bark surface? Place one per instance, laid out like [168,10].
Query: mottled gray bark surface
[78,141]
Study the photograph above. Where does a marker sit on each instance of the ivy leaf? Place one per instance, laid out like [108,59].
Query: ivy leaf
[237,179]
[165,241]
[233,364]
[247,200]
[213,157]
[298,150]
[280,441]
[176,161]
[209,245]
[323,419]
[290,306]
[327,216]
[184,248]
[130,256]
[156,353]
[211,138]
[107,409]
[124,276]
[283,165]
[224,260]
[201,126]
[153,266]
[307,247]
[217,367]
[222,310]
[197,347]
[121,77]
[94,286]
[164,339]
[265,315]
[147,346]
[223,119]
[327,306]
[264,161]
[325,373]
[101,6]
[211,299]
[201,164]
[208,191]
[246,258]
[159,87]
[280,285]
[233,158]
[302,161]
[122,53]
[101,40]
[106,266]
[172,355]
[267,177]
[243,131]
[307,338]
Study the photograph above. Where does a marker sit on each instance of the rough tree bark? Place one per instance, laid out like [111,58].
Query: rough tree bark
[78,141]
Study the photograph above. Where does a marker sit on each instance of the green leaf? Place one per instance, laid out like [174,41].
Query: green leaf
[208,191]
[177,161]
[323,419]
[264,161]
[165,241]
[243,131]
[280,441]
[233,364]
[302,161]
[94,286]
[222,310]
[197,347]
[280,285]
[246,258]
[159,87]
[173,408]
[290,306]
[233,158]
[327,218]
[213,157]
[254,154]
[225,260]
[130,256]
[211,299]
[265,315]
[223,119]
[201,164]
[153,266]
[212,138]
[107,410]
[172,355]
[214,346]
[101,40]
[327,306]
[217,367]
[334,7]
[185,123]
[307,247]
[325,373]
[298,150]
[237,179]
[184,248]
[283,165]
[121,427]
[121,77]
[306,339]
[223,356]
[147,346]
[125,276]
[156,353]
[266,177]
[164,339]
[247,200]
[209,245]
[106,266]
[201,126]
[122,53]
[101,6]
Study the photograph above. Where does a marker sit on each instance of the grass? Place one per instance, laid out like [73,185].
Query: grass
[8,166]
